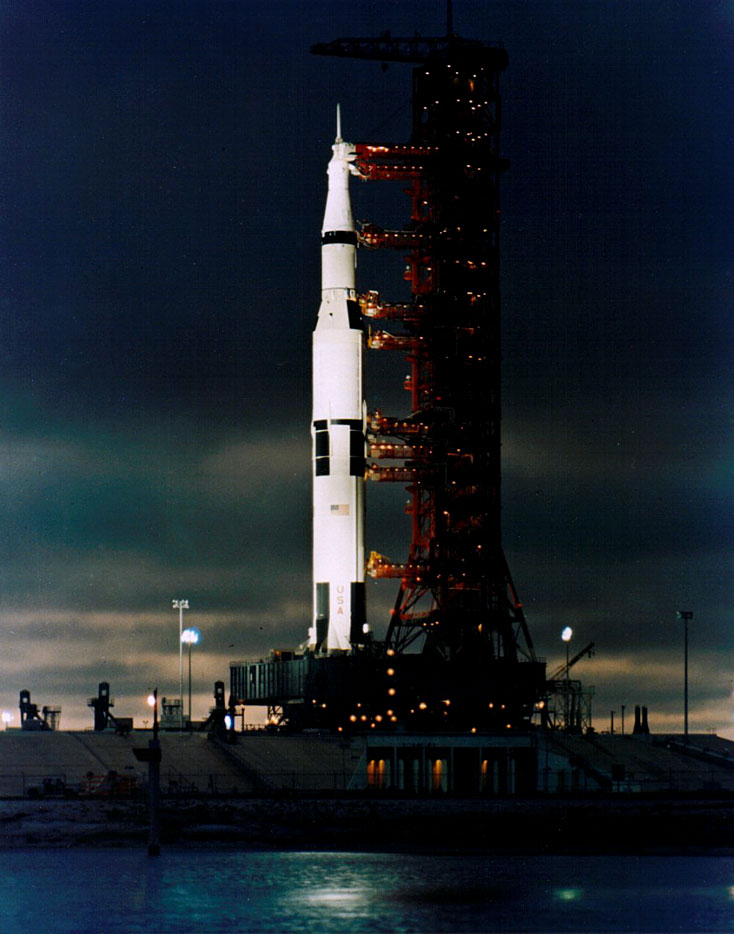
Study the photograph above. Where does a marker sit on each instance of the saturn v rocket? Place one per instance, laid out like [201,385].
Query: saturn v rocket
[338,428]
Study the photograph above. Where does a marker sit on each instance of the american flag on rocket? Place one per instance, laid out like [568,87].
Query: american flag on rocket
[341,509]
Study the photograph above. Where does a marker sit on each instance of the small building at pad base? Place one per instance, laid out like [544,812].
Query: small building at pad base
[452,764]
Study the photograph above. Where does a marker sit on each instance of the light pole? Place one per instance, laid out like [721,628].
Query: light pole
[686,616]
[152,755]
[566,636]
[154,781]
[180,605]
[190,637]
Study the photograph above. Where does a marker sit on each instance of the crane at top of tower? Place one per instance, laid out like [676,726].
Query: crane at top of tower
[418,49]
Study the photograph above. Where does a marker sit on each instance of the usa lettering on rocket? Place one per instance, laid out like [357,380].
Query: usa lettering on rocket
[338,427]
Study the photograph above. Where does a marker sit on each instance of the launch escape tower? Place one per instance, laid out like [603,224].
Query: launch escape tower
[457,653]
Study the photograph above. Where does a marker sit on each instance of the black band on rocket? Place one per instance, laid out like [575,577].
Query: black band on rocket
[339,236]
[352,422]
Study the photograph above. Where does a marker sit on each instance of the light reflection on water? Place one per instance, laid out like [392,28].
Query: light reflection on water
[211,890]
[568,895]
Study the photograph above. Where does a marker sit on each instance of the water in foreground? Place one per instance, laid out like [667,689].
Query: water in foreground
[211,890]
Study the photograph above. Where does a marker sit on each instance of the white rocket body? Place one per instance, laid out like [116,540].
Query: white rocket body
[338,428]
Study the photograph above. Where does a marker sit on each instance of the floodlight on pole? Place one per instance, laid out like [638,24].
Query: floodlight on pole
[180,605]
[190,637]
[566,637]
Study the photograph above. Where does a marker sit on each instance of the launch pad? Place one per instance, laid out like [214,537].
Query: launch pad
[377,691]
[457,654]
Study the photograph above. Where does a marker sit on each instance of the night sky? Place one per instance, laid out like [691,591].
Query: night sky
[163,184]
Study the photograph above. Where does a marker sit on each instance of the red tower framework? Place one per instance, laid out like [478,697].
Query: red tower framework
[456,591]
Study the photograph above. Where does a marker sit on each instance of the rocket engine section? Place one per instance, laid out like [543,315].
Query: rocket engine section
[338,429]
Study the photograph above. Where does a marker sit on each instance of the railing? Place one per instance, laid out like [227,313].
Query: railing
[683,781]
[25,783]
[175,784]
